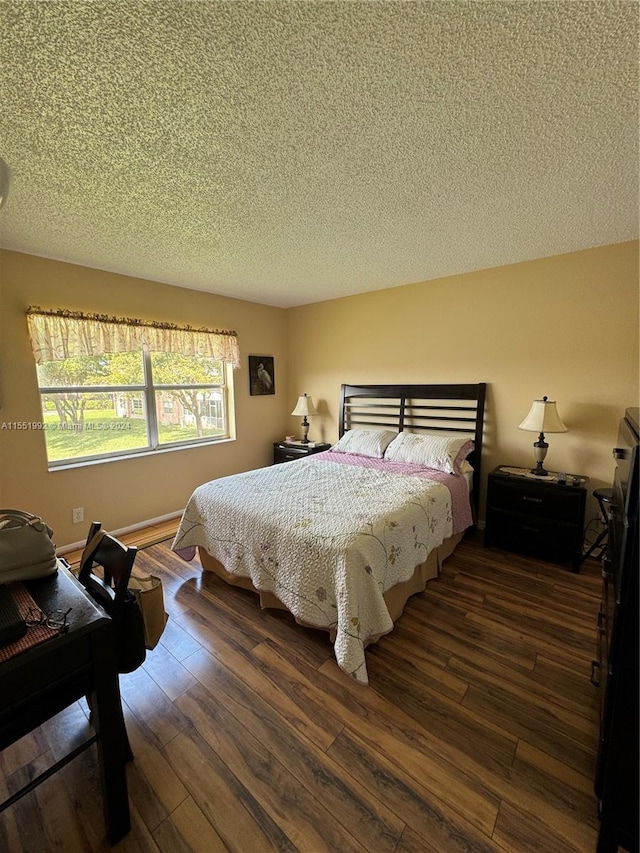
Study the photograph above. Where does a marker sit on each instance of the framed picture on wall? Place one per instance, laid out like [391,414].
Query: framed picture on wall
[262,376]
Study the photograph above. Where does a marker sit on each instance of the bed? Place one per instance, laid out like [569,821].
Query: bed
[341,539]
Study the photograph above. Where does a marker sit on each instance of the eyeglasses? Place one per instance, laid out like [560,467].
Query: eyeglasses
[56,620]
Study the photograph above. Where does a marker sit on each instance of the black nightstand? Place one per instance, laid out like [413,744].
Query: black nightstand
[536,515]
[283,452]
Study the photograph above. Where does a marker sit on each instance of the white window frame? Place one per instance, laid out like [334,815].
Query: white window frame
[148,391]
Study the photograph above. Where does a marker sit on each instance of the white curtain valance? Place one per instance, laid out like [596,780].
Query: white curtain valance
[63,334]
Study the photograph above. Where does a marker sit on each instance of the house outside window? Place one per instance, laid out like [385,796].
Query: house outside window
[112,404]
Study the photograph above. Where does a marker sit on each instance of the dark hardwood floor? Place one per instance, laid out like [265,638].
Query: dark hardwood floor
[477,732]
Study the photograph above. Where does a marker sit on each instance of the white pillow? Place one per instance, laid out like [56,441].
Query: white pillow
[365,442]
[433,451]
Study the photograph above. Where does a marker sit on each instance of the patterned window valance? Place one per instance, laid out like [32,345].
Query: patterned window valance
[62,334]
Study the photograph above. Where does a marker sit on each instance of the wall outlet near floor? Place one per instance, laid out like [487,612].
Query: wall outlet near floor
[77,514]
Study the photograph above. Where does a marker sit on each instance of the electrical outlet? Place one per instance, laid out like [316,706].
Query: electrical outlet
[77,514]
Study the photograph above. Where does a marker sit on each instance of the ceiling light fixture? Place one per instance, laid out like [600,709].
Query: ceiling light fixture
[5,180]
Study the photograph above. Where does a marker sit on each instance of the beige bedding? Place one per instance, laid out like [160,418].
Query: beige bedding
[332,538]
[395,598]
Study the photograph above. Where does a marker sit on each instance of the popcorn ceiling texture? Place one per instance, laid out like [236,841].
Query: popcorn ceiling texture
[291,152]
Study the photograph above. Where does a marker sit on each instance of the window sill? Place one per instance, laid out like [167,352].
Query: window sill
[134,454]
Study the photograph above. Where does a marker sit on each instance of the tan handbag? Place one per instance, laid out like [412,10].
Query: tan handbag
[26,549]
[148,592]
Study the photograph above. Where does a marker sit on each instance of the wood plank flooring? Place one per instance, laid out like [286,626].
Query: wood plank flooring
[477,732]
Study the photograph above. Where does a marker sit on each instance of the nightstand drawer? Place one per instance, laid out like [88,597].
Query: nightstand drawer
[535,535]
[545,519]
[561,503]
[290,454]
[283,452]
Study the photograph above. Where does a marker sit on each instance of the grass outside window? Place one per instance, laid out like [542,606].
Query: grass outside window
[102,406]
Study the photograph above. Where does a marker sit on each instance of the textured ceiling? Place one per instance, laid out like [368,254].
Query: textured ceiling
[291,152]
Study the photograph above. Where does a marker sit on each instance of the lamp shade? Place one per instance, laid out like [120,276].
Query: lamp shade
[543,417]
[304,406]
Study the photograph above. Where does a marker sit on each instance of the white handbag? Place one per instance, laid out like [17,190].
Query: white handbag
[26,548]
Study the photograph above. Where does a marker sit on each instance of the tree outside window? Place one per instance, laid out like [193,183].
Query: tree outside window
[113,404]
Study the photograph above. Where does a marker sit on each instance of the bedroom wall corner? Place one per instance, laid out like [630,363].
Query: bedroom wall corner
[126,492]
[565,326]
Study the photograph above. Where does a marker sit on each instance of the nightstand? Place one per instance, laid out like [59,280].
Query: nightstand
[541,516]
[283,452]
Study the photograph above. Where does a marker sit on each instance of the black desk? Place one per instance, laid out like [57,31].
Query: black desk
[42,681]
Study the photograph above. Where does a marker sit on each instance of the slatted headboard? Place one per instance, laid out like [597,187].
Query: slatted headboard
[451,409]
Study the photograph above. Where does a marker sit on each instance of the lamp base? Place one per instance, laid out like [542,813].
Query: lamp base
[305,431]
[540,448]
[540,471]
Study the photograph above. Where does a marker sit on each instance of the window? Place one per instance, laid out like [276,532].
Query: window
[99,405]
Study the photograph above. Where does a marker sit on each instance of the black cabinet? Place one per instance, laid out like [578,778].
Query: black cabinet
[536,515]
[616,669]
[283,452]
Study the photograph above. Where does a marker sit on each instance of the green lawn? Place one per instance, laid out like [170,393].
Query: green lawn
[103,432]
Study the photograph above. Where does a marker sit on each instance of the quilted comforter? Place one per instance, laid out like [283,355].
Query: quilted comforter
[328,535]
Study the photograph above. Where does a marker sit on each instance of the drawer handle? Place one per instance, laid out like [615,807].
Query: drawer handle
[594,666]
[530,529]
[532,500]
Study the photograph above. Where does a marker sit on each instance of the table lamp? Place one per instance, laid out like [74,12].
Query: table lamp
[305,407]
[543,417]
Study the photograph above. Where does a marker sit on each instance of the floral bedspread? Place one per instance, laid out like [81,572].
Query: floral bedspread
[328,535]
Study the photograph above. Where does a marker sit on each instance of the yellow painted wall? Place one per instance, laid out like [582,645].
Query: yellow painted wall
[565,326]
[126,492]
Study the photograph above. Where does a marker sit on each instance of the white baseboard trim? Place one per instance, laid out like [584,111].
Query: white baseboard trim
[73,546]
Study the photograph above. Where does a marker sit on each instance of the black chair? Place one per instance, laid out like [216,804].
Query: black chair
[604,498]
[105,569]
[116,561]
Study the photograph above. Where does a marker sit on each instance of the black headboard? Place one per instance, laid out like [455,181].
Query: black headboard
[450,409]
